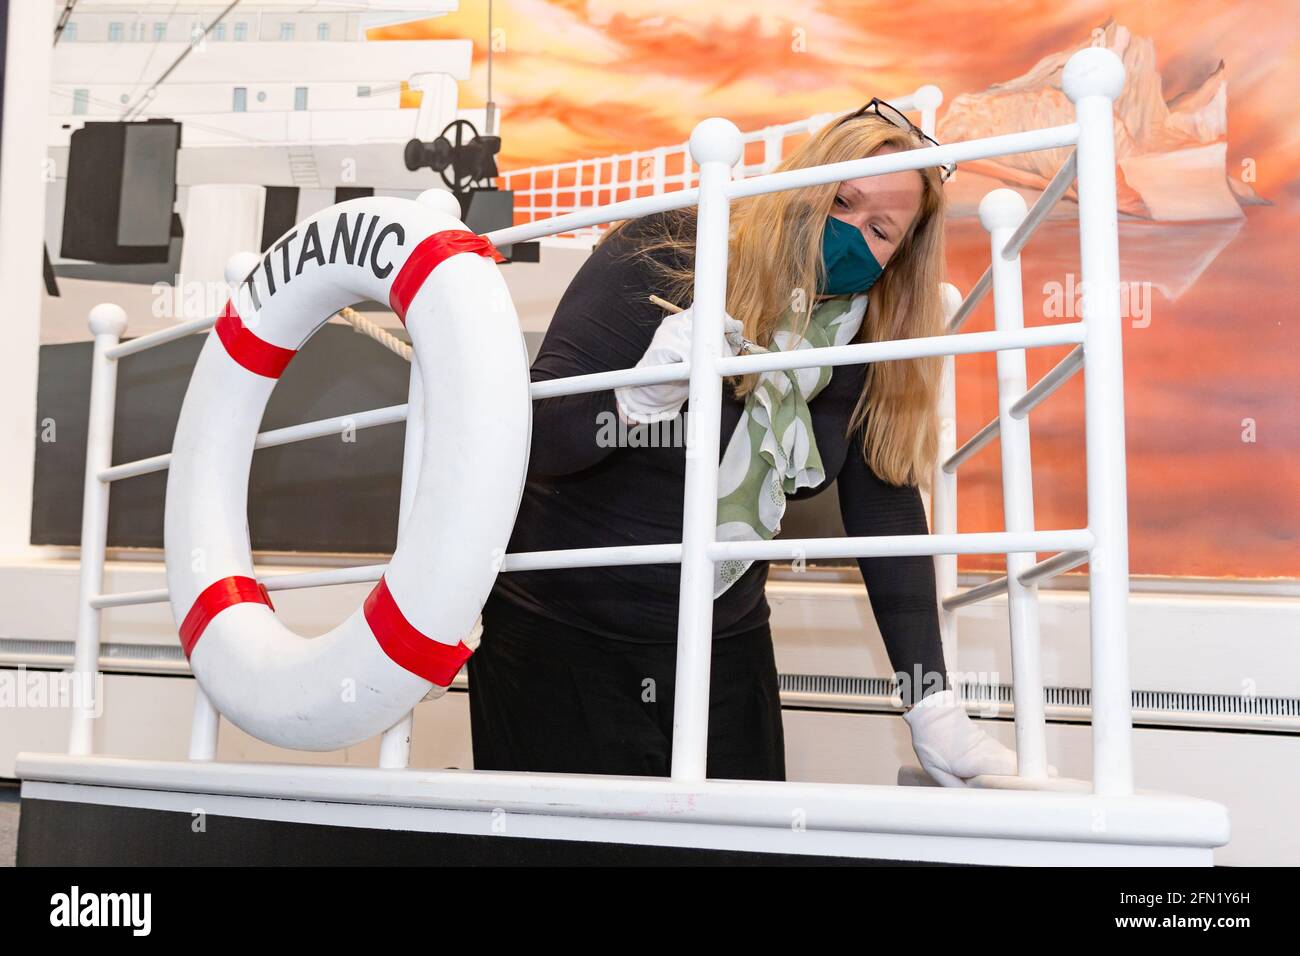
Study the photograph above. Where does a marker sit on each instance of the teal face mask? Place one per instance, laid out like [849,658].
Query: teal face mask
[850,265]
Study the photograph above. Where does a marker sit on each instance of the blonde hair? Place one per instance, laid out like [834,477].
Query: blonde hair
[775,260]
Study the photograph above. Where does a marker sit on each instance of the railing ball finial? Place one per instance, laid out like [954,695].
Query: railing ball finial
[440,199]
[108,318]
[716,140]
[928,97]
[951,297]
[239,267]
[1002,209]
[1094,71]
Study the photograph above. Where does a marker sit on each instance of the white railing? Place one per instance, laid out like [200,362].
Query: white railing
[1093,79]
[555,189]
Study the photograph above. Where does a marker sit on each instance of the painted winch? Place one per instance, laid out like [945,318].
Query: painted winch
[413,632]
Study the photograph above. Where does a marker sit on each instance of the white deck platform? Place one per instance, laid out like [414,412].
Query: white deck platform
[973,826]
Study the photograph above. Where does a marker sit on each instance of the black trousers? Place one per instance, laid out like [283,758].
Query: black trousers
[547,698]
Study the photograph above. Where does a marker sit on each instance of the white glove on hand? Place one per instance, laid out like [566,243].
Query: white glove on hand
[951,747]
[648,404]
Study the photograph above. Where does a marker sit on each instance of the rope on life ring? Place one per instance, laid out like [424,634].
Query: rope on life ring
[375,331]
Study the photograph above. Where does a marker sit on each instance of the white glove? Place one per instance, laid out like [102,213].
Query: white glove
[951,747]
[648,404]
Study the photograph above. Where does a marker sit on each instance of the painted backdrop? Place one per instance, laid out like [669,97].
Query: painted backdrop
[1208,148]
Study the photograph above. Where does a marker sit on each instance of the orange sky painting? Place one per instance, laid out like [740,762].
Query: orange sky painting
[1212,393]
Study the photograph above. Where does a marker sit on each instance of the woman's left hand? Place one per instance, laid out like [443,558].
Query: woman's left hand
[648,404]
[950,746]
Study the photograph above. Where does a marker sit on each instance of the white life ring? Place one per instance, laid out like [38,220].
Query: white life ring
[408,637]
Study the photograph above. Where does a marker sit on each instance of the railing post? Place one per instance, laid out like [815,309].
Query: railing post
[773,147]
[107,323]
[715,145]
[1092,79]
[395,743]
[205,721]
[1001,212]
[943,493]
[205,726]
[927,100]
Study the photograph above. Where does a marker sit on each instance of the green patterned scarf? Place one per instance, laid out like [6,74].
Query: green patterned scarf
[773,451]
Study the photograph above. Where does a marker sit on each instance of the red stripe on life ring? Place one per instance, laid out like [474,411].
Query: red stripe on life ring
[407,647]
[427,256]
[257,355]
[216,597]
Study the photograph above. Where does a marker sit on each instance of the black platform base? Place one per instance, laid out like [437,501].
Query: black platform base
[57,833]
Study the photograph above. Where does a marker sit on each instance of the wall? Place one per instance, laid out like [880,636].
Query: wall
[1209,183]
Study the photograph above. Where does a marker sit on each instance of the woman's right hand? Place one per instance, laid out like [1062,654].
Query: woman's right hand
[648,404]
[951,747]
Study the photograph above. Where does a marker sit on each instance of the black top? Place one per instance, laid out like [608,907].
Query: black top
[582,494]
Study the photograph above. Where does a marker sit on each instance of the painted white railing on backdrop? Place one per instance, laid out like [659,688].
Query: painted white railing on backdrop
[1093,78]
[555,189]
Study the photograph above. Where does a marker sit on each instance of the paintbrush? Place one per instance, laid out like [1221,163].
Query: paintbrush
[737,340]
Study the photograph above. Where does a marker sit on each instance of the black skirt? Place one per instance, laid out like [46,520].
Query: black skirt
[546,697]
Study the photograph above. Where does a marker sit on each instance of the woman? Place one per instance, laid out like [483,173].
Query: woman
[575,670]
